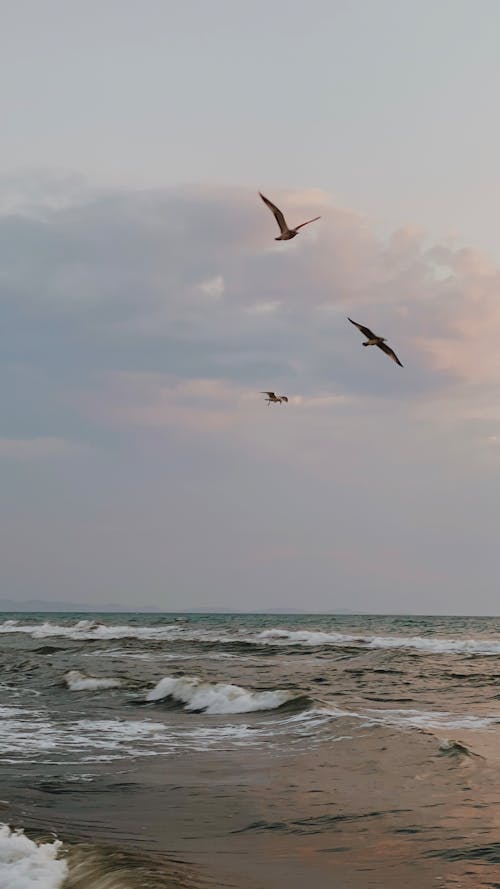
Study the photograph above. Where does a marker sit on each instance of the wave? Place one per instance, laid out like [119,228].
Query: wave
[437,645]
[94,867]
[406,718]
[307,637]
[217,698]
[90,630]
[25,864]
[32,736]
[431,719]
[78,681]
[248,642]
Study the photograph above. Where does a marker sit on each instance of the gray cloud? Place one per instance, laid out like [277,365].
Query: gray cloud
[137,331]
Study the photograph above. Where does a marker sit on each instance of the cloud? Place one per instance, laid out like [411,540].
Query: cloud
[467,345]
[141,328]
[187,283]
[35,448]
[213,286]
[157,401]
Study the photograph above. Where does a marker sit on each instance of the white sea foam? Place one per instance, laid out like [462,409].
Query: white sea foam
[34,736]
[78,681]
[30,736]
[122,653]
[429,719]
[404,718]
[432,645]
[34,733]
[216,697]
[305,637]
[91,630]
[437,645]
[28,865]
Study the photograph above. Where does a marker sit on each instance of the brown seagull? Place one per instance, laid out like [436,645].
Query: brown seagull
[374,340]
[275,399]
[286,233]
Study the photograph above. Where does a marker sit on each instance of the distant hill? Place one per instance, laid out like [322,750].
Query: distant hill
[216,609]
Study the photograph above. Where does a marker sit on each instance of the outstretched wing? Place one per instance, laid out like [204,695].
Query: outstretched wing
[302,224]
[364,330]
[284,398]
[269,394]
[388,351]
[278,215]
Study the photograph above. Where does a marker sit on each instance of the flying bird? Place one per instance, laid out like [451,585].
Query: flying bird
[274,399]
[374,340]
[286,233]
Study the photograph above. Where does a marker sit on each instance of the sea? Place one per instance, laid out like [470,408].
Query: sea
[230,750]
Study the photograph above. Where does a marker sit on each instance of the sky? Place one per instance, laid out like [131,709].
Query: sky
[145,304]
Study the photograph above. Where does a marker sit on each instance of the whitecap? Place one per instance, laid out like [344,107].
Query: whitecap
[78,681]
[90,630]
[305,637]
[437,645]
[25,864]
[217,697]
[434,645]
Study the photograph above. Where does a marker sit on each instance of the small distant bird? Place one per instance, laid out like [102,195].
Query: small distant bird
[274,399]
[286,233]
[374,340]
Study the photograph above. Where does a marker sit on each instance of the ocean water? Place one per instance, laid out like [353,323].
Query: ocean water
[249,750]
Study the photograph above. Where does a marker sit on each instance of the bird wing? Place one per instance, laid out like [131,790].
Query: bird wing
[278,215]
[388,351]
[364,330]
[284,398]
[269,394]
[302,224]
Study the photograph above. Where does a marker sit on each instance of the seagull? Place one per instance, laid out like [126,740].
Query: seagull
[374,340]
[286,233]
[275,399]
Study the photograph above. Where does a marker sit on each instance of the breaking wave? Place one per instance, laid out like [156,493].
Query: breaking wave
[90,630]
[307,637]
[25,864]
[437,645]
[78,681]
[95,867]
[217,698]
[252,642]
